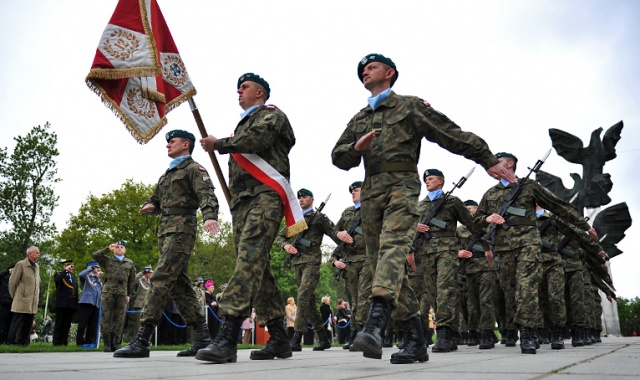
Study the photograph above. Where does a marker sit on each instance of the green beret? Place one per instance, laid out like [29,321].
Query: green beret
[122,243]
[180,133]
[304,192]
[507,155]
[355,185]
[257,79]
[429,172]
[373,57]
[470,202]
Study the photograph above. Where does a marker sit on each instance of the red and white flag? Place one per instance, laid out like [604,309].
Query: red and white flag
[137,70]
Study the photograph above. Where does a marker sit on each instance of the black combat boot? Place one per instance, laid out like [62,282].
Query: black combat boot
[512,338]
[585,337]
[115,343]
[203,339]
[324,342]
[472,340]
[486,340]
[598,333]
[277,346]
[399,339]
[349,341]
[369,340]
[139,347]
[415,348]
[535,337]
[557,341]
[592,336]
[527,345]
[387,341]
[464,339]
[576,337]
[546,338]
[223,349]
[107,343]
[503,336]
[453,342]
[443,342]
[296,341]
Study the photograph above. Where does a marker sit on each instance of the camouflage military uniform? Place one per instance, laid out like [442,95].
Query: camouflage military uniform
[180,192]
[120,284]
[306,266]
[357,274]
[392,186]
[256,211]
[481,282]
[519,248]
[200,297]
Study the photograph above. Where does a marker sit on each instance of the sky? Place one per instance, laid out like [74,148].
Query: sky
[505,70]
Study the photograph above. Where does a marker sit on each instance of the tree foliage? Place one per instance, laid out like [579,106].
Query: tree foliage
[627,309]
[27,197]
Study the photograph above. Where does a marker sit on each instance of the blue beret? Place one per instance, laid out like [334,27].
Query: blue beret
[257,79]
[180,133]
[373,57]
[355,185]
[304,192]
[470,202]
[429,172]
[507,155]
[93,264]
[122,243]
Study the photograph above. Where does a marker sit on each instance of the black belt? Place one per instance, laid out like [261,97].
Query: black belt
[443,234]
[179,211]
[387,167]
[246,184]
[520,222]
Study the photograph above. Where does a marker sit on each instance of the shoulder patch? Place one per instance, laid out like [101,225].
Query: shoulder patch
[270,107]
[427,104]
[202,169]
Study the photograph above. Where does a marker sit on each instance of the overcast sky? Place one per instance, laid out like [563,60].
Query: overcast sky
[505,70]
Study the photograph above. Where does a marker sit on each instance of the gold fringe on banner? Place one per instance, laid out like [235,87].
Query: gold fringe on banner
[297,228]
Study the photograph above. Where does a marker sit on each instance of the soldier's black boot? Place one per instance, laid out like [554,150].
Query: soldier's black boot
[546,338]
[453,341]
[107,343]
[557,341]
[369,340]
[592,336]
[139,347]
[576,337]
[503,336]
[115,344]
[472,340]
[443,342]
[486,341]
[296,341]
[387,341]
[324,342]
[429,337]
[465,339]
[512,338]
[535,337]
[224,348]
[277,346]
[585,337]
[415,348]
[598,333]
[527,345]
[349,341]
[202,340]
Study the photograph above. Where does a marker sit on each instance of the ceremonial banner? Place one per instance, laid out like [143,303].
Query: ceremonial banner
[137,70]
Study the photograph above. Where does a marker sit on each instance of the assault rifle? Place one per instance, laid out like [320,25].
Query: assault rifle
[562,246]
[502,211]
[430,218]
[339,251]
[300,241]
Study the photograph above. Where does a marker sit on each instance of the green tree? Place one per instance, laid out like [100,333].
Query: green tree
[214,256]
[27,198]
[627,308]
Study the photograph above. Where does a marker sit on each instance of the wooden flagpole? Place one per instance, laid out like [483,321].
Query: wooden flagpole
[214,160]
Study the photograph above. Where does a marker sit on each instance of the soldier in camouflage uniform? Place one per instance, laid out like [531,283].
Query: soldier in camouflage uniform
[116,292]
[137,303]
[183,189]
[439,258]
[387,134]
[518,247]
[354,263]
[481,282]
[306,264]
[199,290]
[257,211]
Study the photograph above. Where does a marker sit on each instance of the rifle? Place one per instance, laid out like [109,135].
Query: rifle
[300,241]
[562,246]
[504,208]
[339,251]
[430,218]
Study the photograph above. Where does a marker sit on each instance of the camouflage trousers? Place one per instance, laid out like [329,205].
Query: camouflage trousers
[440,272]
[597,310]
[416,279]
[307,278]
[255,224]
[171,279]
[589,303]
[480,300]
[551,295]
[389,221]
[113,314]
[519,274]
[358,283]
[463,310]
[574,298]
[498,303]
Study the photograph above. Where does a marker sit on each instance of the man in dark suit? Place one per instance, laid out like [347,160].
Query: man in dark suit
[66,302]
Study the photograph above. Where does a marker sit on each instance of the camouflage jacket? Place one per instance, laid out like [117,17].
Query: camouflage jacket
[442,228]
[556,232]
[521,217]
[178,195]
[402,122]
[352,252]
[310,244]
[120,275]
[479,263]
[265,132]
